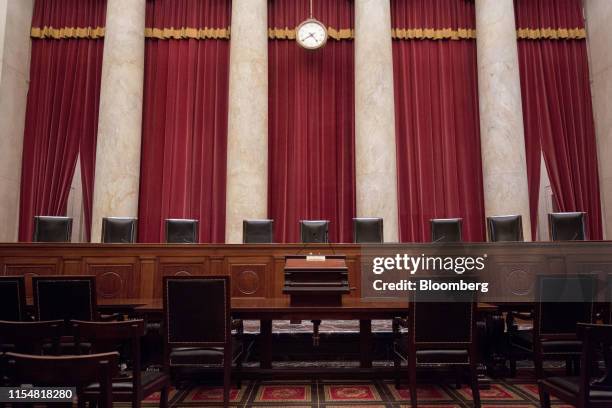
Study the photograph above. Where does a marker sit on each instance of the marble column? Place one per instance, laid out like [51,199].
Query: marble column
[15,21]
[375,149]
[598,17]
[120,119]
[247,144]
[504,163]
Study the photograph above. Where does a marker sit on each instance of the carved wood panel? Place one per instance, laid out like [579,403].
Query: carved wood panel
[250,277]
[115,277]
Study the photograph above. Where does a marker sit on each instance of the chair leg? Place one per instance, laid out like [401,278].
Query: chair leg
[474,385]
[413,384]
[163,397]
[227,376]
[539,366]
[544,398]
[397,365]
[569,370]
[458,374]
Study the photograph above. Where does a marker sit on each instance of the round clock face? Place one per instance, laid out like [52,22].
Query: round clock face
[311,34]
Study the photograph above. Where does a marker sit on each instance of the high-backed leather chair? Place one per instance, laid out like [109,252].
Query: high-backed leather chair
[193,338]
[562,301]
[314,231]
[505,228]
[52,229]
[585,391]
[104,337]
[65,297]
[258,231]
[446,229]
[182,231]
[567,226]
[428,343]
[119,230]
[368,230]
[12,298]
[66,371]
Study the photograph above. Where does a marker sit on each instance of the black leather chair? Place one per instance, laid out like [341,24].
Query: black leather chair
[12,298]
[567,226]
[505,228]
[181,231]
[368,230]
[314,231]
[258,231]
[52,229]
[446,229]
[562,301]
[134,385]
[195,339]
[119,230]
[65,297]
[66,371]
[426,342]
[585,391]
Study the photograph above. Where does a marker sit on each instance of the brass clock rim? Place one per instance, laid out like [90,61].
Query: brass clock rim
[311,20]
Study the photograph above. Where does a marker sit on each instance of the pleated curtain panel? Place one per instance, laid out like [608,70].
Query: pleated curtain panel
[557,109]
[62,107]
[184,135]
[436,114]
[311,119]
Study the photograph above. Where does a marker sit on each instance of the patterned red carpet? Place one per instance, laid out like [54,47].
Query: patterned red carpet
[518,393]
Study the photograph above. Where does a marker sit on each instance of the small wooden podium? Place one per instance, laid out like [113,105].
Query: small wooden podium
[318,281]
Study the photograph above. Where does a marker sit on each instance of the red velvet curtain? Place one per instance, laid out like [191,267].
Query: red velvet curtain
[184,137]
[436,116]
[311,121]
[557,109]
[62,107]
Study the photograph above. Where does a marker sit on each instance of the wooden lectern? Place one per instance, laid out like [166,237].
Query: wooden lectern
[316,281]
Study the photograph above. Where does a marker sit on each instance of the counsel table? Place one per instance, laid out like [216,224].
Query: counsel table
[267,310]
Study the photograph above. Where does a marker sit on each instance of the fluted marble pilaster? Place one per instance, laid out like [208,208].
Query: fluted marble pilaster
[504,163]
[247,144]
[120,119]
[375,149]
[15,22]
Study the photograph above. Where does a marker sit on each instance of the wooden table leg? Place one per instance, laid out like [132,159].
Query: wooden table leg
[265,344]
[365,339]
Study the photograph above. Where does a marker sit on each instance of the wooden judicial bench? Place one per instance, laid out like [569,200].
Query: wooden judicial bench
[130,276]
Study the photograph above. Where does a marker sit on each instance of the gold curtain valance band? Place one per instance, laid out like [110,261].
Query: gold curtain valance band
[551,33]
[289,33]
[188,33]
[433,34]
[68,32]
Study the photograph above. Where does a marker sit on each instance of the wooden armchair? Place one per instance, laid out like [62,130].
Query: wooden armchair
[66,371]
[198,327]
[134,385]
[440,331]
[562,301]
[584,391]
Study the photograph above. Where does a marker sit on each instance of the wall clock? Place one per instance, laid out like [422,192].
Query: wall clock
[311,34]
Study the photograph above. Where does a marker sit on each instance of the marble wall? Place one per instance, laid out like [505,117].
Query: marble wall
[117,182]
[599,35]
[502,137]
[375,163]
[247,139]
[15,20]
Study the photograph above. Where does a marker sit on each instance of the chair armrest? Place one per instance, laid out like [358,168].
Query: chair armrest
[237,324]
[398,324]
[114,317]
